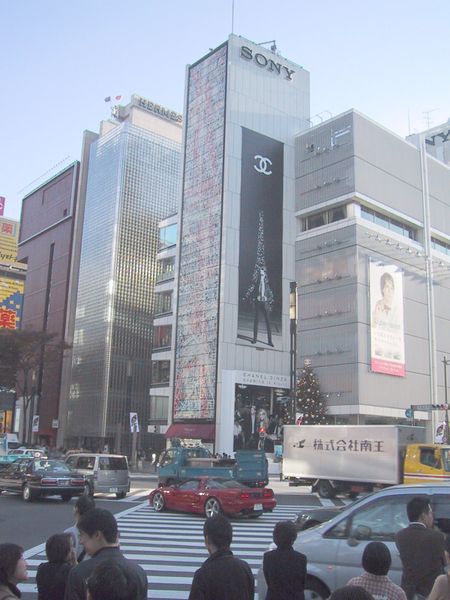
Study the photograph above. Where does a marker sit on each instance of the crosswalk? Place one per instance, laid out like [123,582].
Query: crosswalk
[170,546]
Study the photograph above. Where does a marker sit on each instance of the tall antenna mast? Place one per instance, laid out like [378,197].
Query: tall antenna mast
[232,16]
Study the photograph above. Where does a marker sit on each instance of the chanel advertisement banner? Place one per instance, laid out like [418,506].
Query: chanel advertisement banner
[260,240]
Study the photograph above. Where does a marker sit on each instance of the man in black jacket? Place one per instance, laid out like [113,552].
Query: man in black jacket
[222,576]
[99,537]
[284,568]
[421,549]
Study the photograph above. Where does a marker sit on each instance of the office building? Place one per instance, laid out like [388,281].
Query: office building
[373,270]
[133,182]
[12,280]
[45,246]
[161,389]
[244,106]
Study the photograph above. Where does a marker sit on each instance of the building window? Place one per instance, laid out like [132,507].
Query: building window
[160,372]
[440,245]
[163,302]
[166,268]
[159,408]
[325,217]
[392,224]
[162,336]
[167,236]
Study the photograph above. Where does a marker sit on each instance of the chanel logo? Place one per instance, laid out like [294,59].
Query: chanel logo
[263,164]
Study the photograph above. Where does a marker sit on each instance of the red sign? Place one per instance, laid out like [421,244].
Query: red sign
[2,205]
[7,318]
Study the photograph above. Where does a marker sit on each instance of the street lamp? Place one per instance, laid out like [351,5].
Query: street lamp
[293,331]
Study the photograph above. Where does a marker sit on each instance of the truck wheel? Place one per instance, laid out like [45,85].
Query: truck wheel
[158,502]
[325,489]
[315,590]
[212,507]
[27,494]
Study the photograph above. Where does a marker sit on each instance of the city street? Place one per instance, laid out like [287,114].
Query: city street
[169,546]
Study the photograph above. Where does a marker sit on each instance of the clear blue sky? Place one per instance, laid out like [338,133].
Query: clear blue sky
[60,58]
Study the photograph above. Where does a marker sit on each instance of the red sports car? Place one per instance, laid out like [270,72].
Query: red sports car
[213,495]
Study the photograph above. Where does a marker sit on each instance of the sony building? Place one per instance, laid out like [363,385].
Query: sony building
[373,270]
[244,106]
[132,182]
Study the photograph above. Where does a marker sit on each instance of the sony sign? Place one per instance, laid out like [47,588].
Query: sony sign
[266,63]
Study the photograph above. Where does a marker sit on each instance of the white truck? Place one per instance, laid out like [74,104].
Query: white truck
[347,458]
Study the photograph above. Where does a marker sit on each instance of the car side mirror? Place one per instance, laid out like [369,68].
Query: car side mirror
[359,533]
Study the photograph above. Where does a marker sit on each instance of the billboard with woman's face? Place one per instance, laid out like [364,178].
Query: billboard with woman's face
[387,344]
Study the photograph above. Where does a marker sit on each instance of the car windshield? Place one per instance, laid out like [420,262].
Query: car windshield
[51,465]
[224,483]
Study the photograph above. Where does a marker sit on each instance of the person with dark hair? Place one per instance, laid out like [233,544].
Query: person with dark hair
[82,505]
[421,548]
[110,581]
[351,592]
[51,577]
[376,562]
[285,568]
[222,576]
[99,537]
[13,570]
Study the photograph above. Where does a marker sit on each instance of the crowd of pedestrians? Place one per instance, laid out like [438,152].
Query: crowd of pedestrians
[86,563]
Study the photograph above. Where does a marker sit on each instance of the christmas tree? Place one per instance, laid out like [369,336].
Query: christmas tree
[310,403]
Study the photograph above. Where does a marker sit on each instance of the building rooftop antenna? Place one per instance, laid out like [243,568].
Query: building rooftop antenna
[273,46]
[426,116]
[58,165]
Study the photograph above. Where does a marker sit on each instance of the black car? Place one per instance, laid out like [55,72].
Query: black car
[36,477]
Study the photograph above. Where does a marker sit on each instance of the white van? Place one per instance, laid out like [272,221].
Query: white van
[334,549]
[105,473]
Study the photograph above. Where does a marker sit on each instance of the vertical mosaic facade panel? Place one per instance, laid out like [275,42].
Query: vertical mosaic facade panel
[200,249]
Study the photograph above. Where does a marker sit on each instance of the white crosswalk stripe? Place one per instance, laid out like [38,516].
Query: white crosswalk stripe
[170,547]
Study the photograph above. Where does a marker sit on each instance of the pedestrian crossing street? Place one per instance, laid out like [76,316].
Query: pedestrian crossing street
[170,546]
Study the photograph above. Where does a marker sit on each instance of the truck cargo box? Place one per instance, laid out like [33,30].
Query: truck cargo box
[353,453]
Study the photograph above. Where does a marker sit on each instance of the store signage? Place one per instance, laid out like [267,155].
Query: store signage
[266,63]
[157,109]
[262,379]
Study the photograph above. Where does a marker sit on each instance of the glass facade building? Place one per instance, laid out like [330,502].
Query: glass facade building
[133,183]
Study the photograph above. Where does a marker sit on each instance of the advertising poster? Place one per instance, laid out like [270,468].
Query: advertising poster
[200,248]
[260,240]
[35,424]
[134,422]
[387,342]
[11,302]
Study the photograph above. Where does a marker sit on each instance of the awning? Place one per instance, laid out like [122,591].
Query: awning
[193,431]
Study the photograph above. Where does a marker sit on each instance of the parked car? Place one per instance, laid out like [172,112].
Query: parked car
[36,477]
[334,548]
[104,473]
[213,495]
[28,452]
